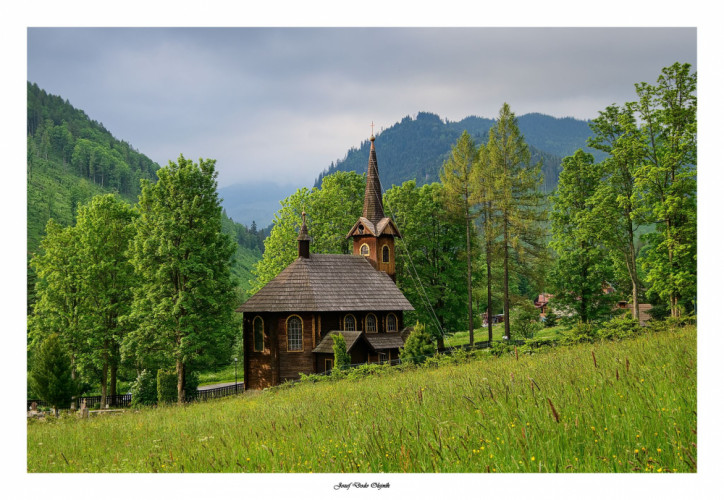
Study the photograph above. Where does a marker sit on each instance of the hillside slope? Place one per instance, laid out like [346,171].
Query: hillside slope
[72,158]
[630,408]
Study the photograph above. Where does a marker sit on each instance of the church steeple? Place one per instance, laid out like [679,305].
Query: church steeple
[372,210]
[373,233]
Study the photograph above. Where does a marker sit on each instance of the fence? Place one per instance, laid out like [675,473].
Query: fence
[124,400]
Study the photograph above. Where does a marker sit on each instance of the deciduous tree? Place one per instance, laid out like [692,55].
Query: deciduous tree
[583,263]
[667,181]
[185,300]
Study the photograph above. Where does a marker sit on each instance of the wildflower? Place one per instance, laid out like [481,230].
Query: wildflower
[636,451]
[532,459]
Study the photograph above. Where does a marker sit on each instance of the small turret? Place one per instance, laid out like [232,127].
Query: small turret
[303,239]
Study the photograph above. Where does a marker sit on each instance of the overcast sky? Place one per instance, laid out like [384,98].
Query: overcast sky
[282,104]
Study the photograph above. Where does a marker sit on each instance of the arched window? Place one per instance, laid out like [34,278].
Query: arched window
[371,323]
[364,249]
[294,333]
[350,323]
[391,323]
[258,334]
[385,253]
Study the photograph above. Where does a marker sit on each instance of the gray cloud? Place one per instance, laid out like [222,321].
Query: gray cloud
[281,104]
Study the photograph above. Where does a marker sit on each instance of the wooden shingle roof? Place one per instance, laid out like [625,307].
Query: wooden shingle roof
[326,345]
[377,341]
[328,282]
[380,341]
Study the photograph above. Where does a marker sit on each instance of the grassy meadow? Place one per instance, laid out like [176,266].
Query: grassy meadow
[627,406]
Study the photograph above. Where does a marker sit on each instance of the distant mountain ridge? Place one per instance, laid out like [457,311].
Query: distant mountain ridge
[416,148]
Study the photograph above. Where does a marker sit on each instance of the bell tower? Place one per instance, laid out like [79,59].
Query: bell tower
[374,234]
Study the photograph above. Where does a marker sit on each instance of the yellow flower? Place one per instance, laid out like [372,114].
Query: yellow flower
[636,451]
[532,459]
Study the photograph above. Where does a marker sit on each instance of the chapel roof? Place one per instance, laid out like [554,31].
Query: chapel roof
[329,282]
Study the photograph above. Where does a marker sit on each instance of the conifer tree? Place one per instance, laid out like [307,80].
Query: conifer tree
[459,192]
[50,374]
[519,213]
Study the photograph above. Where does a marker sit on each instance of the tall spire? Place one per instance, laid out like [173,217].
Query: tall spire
[372,210]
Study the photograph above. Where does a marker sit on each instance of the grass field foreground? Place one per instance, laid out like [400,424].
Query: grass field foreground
[607,407]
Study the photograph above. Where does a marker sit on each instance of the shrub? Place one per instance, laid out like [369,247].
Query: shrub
[418,346]
[191,384]
[622,327]
[500,348]
[525,321]
[167,386]
[144,390]
[580,332]
[342,359]
[50,375]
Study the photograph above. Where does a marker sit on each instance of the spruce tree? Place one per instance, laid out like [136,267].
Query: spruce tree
[50,373]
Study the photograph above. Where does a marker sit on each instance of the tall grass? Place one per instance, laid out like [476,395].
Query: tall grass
[632,407]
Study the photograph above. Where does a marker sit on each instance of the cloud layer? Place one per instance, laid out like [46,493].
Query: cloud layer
[282,104]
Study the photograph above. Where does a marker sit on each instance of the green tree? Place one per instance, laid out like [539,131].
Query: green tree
[61,294]
[418,346]
[331,212]
[583,264]
[458,181]
[50,374]
[667,181]
[617,203]
[105,229]
[519,213]
[183,306]
[485,176]
[427,266]
[342,359]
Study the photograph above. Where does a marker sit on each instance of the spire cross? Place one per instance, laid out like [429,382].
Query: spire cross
[373,129]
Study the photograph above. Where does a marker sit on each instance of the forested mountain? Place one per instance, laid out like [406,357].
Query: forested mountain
[72,158]
[416,148]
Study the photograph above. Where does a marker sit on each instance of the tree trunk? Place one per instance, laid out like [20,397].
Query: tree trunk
[488,266]
[181,382]
[74,397]
[114,380]
[104,381]
[633,273]
[470,284]
[506,298]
